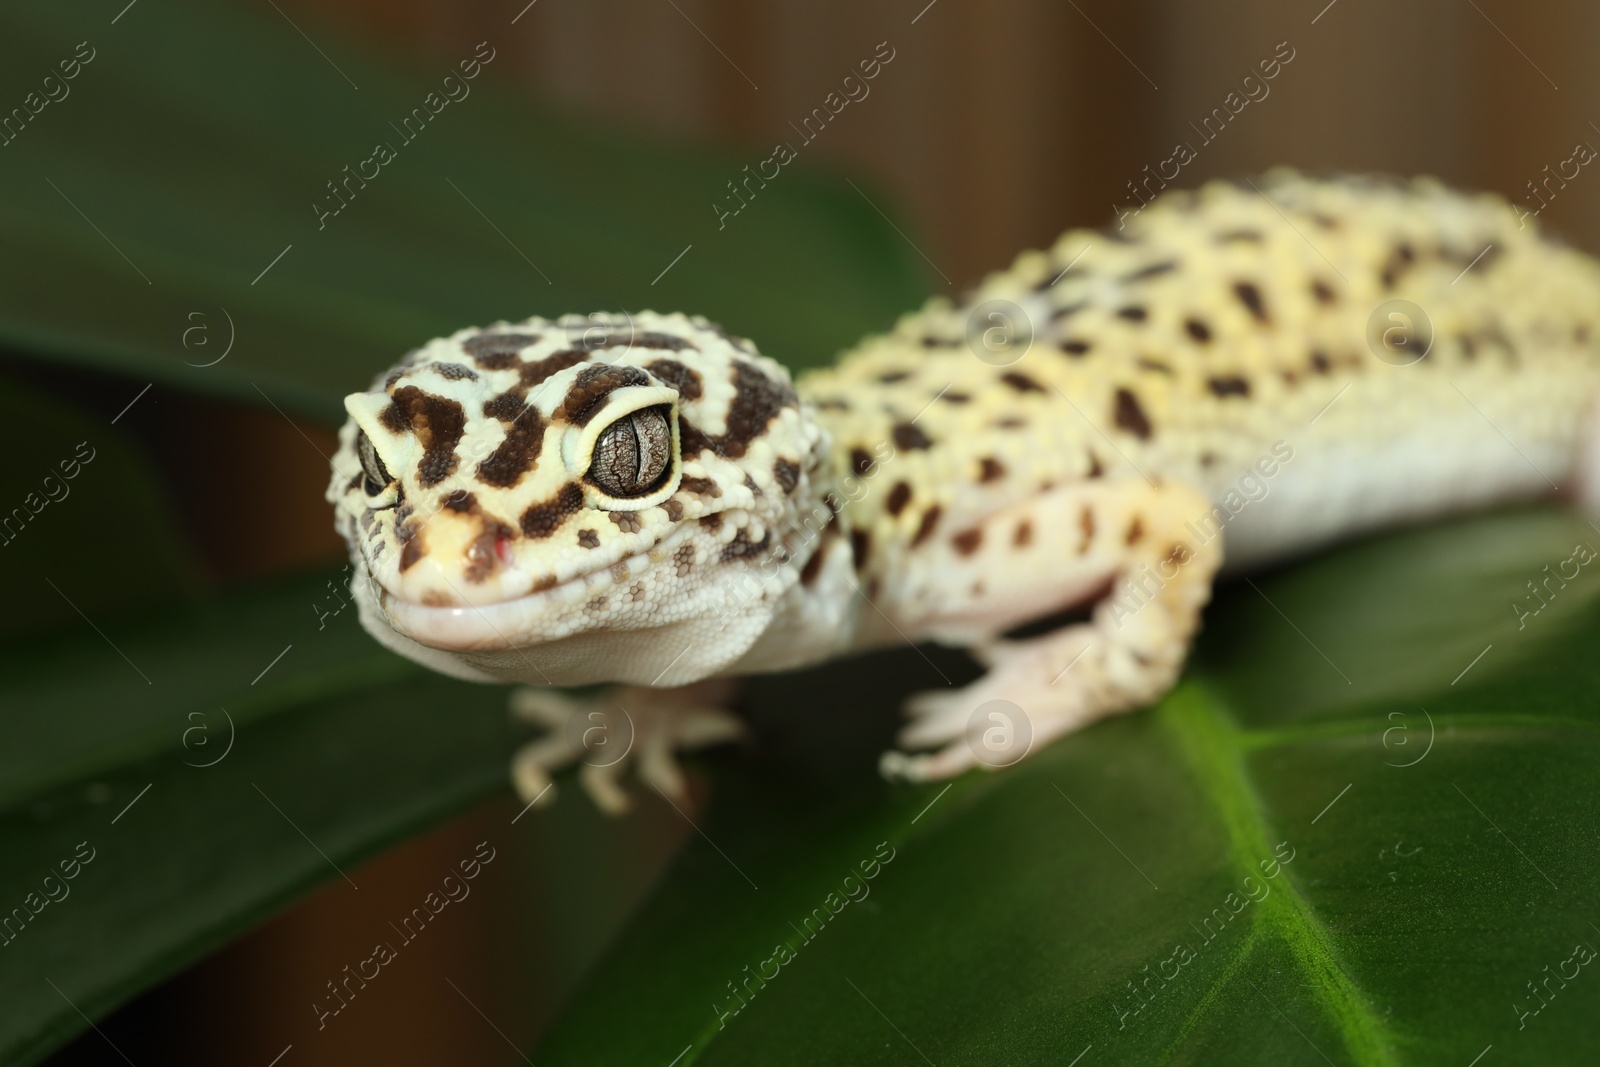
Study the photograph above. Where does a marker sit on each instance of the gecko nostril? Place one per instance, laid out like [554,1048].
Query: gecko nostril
[502,549]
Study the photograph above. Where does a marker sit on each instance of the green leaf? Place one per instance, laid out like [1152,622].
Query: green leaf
[226,127]
[1424,768]
[199,757]
[76,488]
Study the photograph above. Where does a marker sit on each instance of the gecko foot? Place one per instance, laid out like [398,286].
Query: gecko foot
[617,726]
[1027,699]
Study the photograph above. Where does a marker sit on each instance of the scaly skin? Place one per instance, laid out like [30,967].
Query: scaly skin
[1085,430]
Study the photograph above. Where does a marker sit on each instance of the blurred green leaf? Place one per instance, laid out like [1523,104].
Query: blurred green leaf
[166,745]
[80,507]
[1442,829]
[141,212]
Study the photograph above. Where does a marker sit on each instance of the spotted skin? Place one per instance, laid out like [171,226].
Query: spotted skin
[1208,372]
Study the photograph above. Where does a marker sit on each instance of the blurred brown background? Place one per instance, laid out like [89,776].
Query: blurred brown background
[995,126]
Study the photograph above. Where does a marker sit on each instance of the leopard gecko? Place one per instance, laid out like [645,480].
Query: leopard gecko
[644,499]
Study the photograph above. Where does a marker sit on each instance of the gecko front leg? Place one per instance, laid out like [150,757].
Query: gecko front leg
[619,726]
[1130,549]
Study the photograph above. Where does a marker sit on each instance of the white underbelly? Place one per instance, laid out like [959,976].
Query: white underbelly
[1350,473]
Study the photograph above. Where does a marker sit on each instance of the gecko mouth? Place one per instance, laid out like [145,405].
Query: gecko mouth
[550,610]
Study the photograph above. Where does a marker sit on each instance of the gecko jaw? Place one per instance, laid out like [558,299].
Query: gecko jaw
[546,612]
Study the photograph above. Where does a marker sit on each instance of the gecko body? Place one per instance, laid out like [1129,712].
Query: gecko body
[1267,367]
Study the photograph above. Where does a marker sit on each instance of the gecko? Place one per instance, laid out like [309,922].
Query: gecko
[645,500]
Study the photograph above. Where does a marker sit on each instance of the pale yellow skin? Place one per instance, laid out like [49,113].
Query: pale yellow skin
[1088,429]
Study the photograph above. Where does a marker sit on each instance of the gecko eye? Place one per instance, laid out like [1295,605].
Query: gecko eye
[632,455]
[376,474]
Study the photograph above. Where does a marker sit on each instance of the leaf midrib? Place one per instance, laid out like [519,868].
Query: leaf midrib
[1213,747]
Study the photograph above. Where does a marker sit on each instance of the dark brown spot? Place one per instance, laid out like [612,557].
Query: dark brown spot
[673,508]
[535,373]
[899,497]
[1152,271]
[1324,293]
[1208,459]
[455,371]
[860,546]
[1320,362]
[518,452]
[438,424]
[1232,385]
[410,552]
[832,403]
[956,398]
[757,399]
[588,392]
[741,545]
[686,380]
[626,521]
[1327,222]
[1011,422]
[930,519]
[1023,536]
[1068,310]
[1075,347]
[1086,526]
[861,462]
[498,351]
[1135,532]
[684,558]
[786,474]
[1178,554]
[1198,330]
[808,573]
[545,518]
[967,541]
[890,377]
[939,342]
[1156,365]
[990,469]
[459,501]
[593,339]
[1021,382]
[1095,470]
[703,487]
[1133,313]
[712,522]
[907,436]
[1130,416]
[588,539]
[1250,297]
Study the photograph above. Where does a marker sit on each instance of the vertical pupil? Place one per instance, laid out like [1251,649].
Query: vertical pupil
[625,466]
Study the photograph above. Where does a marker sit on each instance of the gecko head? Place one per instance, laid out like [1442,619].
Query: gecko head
[576,500]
